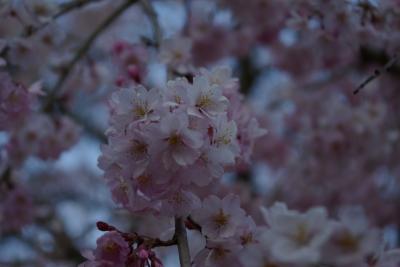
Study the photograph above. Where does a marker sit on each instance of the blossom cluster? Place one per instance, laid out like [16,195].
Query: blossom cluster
[164,143]
[115,249]
[16,209]
[230,237]
[15,102]
[288,237]
[31,133]
[132,62]
[332,135]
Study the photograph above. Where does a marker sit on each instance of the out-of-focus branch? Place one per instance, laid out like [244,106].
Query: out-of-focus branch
[88,126]
[65,9]
[6,178]
[183,246]
[86,46]
[248,75]
[153,17]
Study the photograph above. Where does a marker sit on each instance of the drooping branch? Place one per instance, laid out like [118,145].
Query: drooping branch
[87,45]
[153,17]
[65,9]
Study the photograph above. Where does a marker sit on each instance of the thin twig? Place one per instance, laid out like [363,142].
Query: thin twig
[6,177]
[183,246]
[160,243]
[133,238]
[377,73]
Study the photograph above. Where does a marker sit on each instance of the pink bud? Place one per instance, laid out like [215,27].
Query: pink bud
[143,254]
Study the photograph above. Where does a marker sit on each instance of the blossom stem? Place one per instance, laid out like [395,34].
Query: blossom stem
[183,246]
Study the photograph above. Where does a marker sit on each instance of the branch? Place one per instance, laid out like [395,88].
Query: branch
[151,13]
[65,9]
[86,125]
[368,55]
[160,243]
[136,238]
[377,73]
[87,44]
[183,246]
[6,178]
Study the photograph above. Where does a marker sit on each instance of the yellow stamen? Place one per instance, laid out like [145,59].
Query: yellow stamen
[221,219]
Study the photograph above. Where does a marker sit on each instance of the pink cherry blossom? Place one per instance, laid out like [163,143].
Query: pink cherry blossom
[220,218]
[296,237]
[16,209]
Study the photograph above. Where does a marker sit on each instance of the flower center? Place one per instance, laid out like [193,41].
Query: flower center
[140,110]
[347,242]
[178,99]
[219,252]
[224,139]
[221,219]
[174,140]
[123,185]
[302,236]
[246,239]
[177,198]
[204,101]
[139,148]
[143,180]
[110,247]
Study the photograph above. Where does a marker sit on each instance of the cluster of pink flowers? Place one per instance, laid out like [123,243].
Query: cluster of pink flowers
[333,136]
[229,237]
[163,143]
[132,61]
[226,228]
[31,133]
[15,102]
[16,208]
[287,237]
[42,136]
[115,249]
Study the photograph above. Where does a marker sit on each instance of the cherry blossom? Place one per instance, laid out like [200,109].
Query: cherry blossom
[298,237]
[219,218]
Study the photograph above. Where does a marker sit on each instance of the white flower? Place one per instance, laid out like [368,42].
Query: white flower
[176,52]
[352,239]
[135,104]
[224,146]
[220,218]
[389,258]
[207,98]
[178,144]
[297,237]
